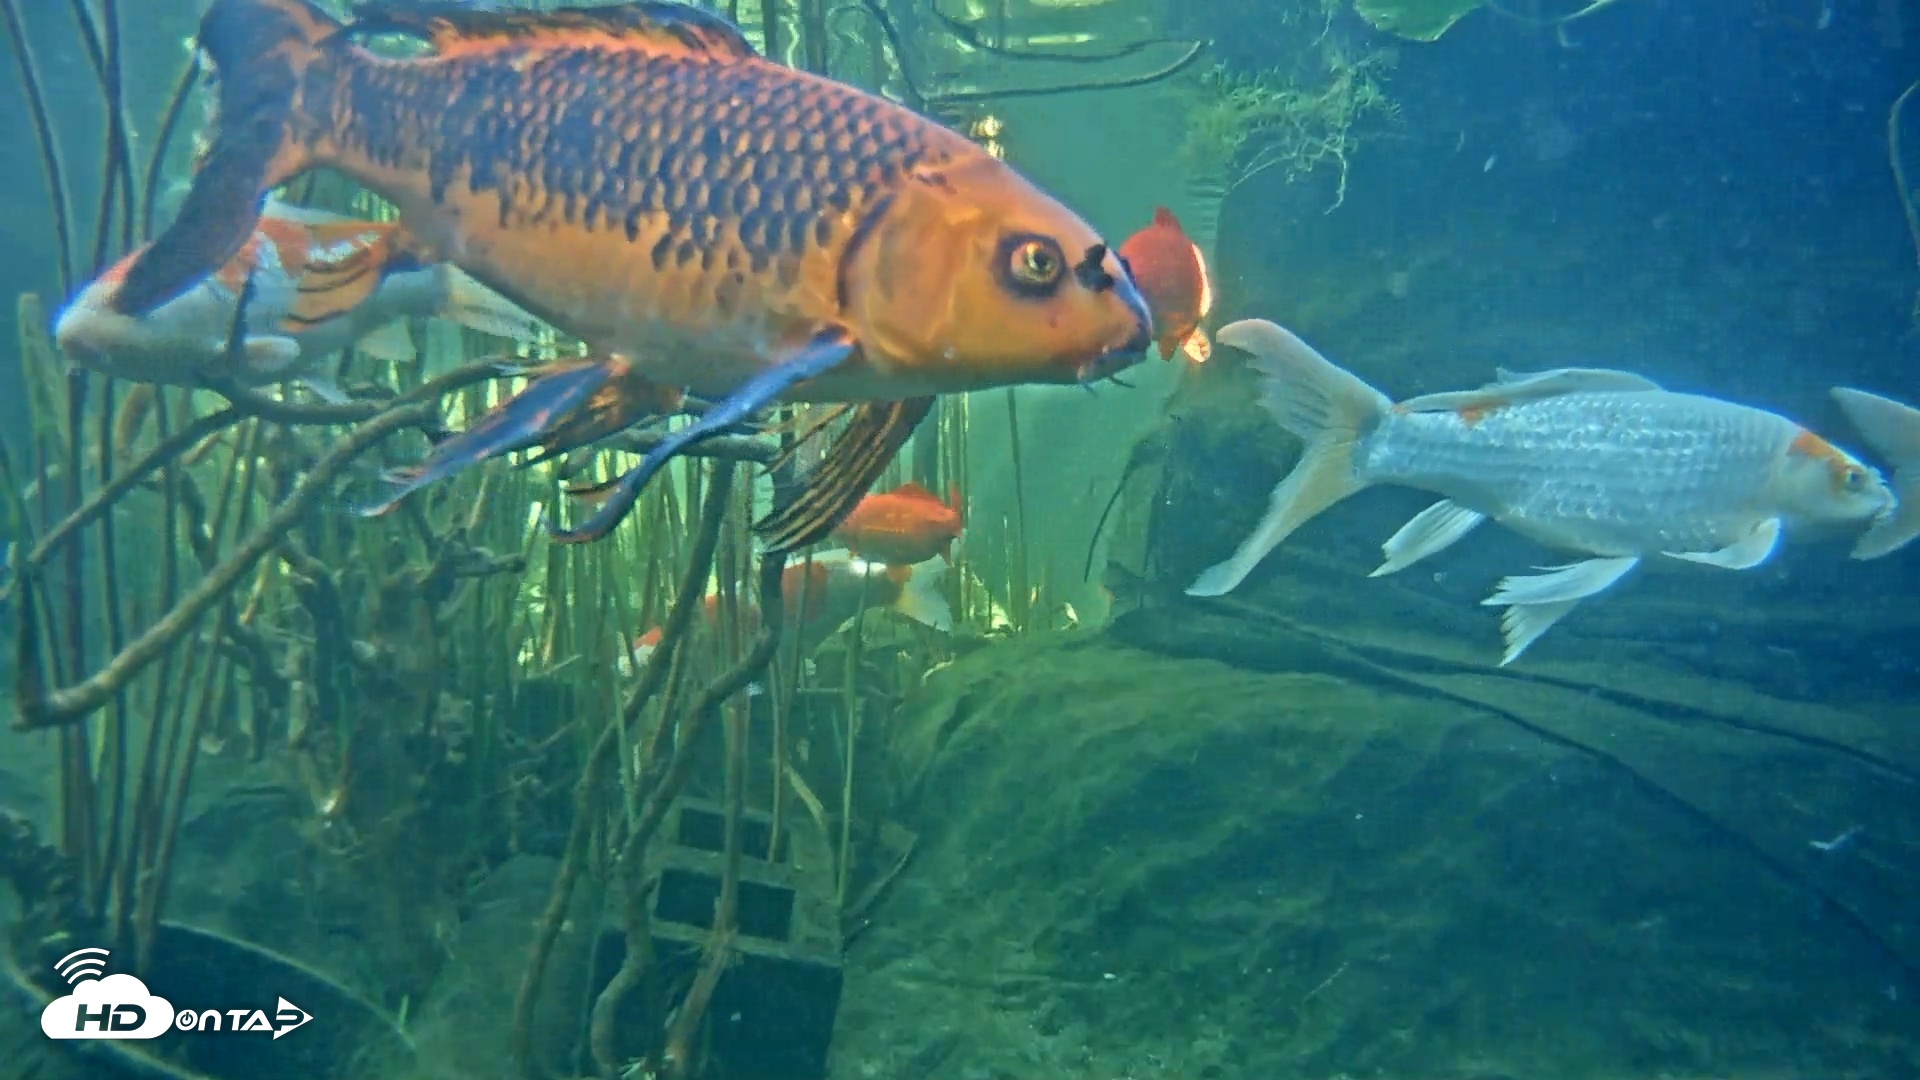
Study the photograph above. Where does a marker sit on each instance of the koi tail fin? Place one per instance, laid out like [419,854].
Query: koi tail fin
[1893,430]
[921,598]
[1329,409]
[259,49]
[477,307]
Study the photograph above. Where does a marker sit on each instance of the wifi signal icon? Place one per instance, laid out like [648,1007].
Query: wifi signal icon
[82,964]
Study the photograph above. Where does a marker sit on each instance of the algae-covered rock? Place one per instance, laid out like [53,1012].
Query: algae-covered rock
[1415,20]
[1331,858]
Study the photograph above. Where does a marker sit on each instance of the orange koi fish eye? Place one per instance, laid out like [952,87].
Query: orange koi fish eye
[1032,266]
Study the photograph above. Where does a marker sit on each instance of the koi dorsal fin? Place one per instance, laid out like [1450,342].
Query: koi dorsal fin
[455,27]
[1512,387]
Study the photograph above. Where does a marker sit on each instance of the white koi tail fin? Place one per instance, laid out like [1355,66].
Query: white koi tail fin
[1328,408]
[477,307]
[920,597]
[1893,430]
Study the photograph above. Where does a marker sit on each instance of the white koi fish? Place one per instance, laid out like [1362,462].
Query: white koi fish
[1604,464]
[319,282]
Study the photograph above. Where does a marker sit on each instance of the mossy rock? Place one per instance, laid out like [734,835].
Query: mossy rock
[1331,859]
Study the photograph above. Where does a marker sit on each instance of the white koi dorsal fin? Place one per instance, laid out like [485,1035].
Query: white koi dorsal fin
[1534,603]
[1512,387]
[1431,531]
[1743,554]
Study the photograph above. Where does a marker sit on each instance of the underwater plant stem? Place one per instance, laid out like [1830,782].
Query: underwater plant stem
[169,123]
[685,603]
[968,97]
[1022,594]
[661,796]
[850,738]
[49,149]
[110,596]
[1894,158]
[73,703]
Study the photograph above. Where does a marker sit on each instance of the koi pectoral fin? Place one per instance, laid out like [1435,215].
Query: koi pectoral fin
[1534,603]
[519,422]
[855,460]
[1743,554]
[827,350]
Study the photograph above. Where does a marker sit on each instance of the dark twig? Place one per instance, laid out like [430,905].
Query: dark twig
[967,97]
[157,161]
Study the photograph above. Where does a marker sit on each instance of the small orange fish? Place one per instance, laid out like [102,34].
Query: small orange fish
[1171,274]
[825,591]
[902,527]
[639,177]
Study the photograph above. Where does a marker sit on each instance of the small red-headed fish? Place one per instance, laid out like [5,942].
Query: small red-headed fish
[636,175]
[315,283]
[1171,274]
[902,527]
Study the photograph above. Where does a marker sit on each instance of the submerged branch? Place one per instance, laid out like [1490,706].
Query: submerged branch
[69,705]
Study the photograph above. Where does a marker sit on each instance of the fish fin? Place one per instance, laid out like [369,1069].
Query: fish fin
[1164,218]
[1743,554]
[1522,624]
[325,388]
[462,26]
[917,490]
[1168,343]
[477,307]
[1430,532]
[1535,602]
[1329,409]
[389,342]
[260,50]
[1574,581]
[276,207]
[864,449]
[1893,431]
[270,355]
[921,598]
[515,424]
[1198,347]
[1510,387]
[827,349]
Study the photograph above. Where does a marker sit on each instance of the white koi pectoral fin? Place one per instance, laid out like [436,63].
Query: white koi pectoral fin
[1431,531]
[1743,554]
[1535,602]
[1511,387]
[391,342]
[1328,409]
[270,355]
[478,307]
[324,388]
[1893,430]
[1522,624]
